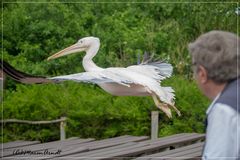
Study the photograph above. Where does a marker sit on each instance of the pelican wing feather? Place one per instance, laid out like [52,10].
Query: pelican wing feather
[155,70]
[96,77]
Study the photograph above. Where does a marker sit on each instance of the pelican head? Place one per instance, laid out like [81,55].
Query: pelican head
[82,45]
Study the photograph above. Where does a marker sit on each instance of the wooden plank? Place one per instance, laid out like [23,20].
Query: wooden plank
[168,139]
[192,156]
[85,155]
[183,152]
[124,146]
[178,150]
[39,150]
[113,142]
[96,145]
[41,153]
[65,143]
[142,148]
[17,144]
[110,149]
[20,143]
[187,154]
[74,147]
[104,153]
[43,146]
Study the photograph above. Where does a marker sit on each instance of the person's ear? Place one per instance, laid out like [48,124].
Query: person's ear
[202,74]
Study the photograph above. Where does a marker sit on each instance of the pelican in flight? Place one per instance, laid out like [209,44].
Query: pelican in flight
[136,80]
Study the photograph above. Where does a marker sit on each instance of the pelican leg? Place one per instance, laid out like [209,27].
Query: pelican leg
[164,107]
[175,108]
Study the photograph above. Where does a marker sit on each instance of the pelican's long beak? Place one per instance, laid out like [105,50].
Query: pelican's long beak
[71,49]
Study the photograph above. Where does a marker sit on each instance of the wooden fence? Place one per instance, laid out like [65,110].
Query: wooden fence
[62,122]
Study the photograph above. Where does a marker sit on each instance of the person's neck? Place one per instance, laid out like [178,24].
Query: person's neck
[215,89]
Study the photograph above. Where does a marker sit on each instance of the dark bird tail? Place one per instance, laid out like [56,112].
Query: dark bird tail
[21,76]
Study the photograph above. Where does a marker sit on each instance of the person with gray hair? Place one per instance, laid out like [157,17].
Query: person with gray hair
[216,63]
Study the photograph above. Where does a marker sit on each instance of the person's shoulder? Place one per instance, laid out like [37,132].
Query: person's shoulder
[223,109]
[222,114]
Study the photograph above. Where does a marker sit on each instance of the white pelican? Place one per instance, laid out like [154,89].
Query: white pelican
[135,80]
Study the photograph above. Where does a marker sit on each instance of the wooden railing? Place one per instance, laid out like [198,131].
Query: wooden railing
[62,122]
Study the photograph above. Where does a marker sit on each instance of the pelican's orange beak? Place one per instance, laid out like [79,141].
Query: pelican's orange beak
[71,49]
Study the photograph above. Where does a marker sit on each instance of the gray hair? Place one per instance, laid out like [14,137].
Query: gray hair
[218,53]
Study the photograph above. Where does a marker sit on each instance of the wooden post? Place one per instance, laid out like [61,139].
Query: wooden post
[62,128]
[154,125]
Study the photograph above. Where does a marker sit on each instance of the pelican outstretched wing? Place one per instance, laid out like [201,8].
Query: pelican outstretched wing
[96,77]
[155,70]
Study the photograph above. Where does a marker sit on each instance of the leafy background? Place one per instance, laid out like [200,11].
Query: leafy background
[33,31]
